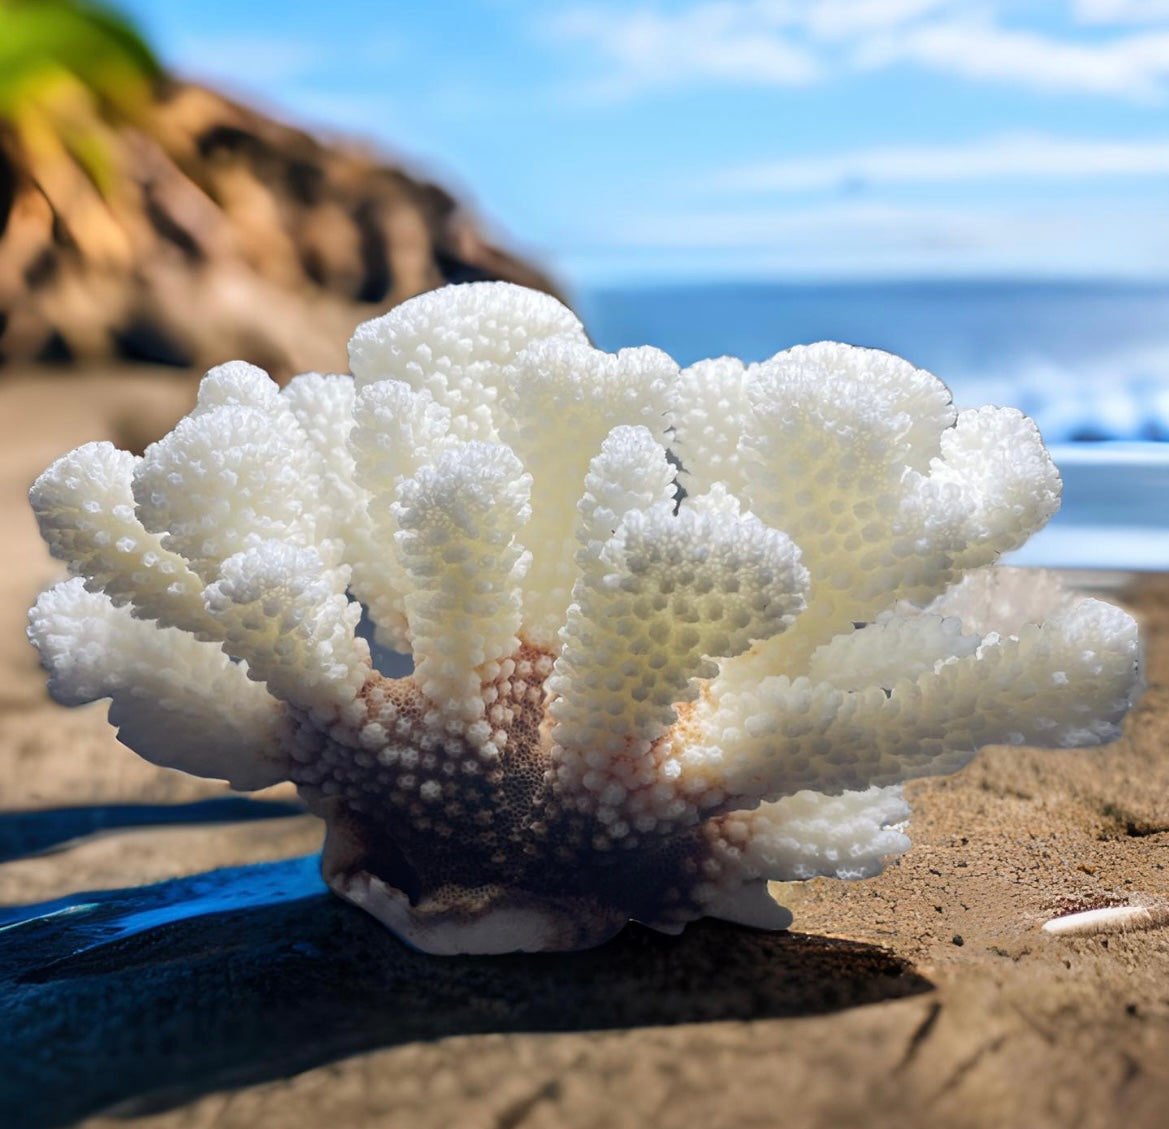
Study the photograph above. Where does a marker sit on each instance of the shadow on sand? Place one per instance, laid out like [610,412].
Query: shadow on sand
[140,999]
[36,832]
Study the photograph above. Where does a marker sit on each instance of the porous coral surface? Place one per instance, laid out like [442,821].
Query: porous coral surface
[673,633]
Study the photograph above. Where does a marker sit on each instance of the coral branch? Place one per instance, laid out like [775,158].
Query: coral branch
[176,701]
[460,522]
[454,344]
[84,505]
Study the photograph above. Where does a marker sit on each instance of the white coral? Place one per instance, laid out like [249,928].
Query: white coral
[628,700]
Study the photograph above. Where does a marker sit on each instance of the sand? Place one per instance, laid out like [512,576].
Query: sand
[926,996]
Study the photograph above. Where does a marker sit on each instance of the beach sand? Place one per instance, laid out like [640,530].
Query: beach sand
[926,996]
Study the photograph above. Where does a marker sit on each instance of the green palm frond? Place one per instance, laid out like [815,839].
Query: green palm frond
[40,39]
[64,66]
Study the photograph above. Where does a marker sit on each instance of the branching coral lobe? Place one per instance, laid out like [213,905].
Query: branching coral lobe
[627,701]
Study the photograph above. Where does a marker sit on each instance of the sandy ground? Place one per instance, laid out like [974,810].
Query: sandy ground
[927,996]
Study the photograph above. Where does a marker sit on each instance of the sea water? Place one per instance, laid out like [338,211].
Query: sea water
[1089,361]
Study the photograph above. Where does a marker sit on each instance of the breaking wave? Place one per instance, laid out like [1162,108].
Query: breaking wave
[1119,396]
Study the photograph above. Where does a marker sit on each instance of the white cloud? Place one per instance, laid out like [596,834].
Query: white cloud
[798,42]
[1005,157]
[847,19]
[848,239]
[830,229]
[1135,66]
[745,42]
[719,41]
[1121,11]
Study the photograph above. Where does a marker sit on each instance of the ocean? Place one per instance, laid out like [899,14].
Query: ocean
[1089,361]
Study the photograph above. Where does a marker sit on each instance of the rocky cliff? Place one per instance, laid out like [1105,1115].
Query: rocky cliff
[204,230]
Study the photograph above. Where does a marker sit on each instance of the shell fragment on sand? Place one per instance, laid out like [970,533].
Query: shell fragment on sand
[1108,919]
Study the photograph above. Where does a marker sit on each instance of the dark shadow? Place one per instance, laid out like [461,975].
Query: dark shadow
[108,1002]
[142,339]
[24,833]
[377,274]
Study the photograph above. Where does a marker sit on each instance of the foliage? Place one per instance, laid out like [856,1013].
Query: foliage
[65,65]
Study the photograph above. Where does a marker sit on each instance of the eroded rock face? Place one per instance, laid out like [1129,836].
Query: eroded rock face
[220,233]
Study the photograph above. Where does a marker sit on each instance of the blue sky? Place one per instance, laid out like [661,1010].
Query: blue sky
[631,141]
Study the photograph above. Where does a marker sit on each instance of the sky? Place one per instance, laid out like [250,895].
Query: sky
[627,141]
